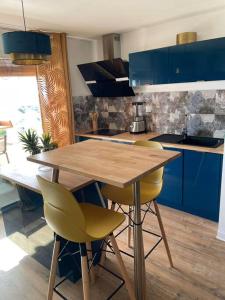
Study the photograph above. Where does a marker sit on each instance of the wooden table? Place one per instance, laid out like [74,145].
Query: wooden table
[25,176]
[116,164]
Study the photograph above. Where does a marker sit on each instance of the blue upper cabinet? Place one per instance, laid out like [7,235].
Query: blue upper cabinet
[149,67]
[199,61]
[187,63]
[214,59]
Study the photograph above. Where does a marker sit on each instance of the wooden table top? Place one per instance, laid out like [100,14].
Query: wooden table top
[26,176]
[108,162]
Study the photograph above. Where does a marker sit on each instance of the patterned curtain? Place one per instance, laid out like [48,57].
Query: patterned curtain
[55,94]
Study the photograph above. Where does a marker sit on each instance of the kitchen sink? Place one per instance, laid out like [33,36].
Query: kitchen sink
[189,140]
[202,141]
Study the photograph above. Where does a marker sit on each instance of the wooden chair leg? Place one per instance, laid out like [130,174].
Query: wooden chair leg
[85,274]
[53,269]
[90,256]
[163,233]
[103,254]
[113,205]
[123,270]
[129,232]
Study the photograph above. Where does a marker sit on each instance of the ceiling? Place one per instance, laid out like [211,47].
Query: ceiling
[91,18]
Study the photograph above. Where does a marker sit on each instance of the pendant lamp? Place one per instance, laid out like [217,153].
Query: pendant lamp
[27,47]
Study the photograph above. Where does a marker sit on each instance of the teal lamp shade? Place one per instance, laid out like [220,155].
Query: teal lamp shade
[27,47]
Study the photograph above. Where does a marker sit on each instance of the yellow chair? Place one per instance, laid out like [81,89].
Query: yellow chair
[150,188]
[79,223]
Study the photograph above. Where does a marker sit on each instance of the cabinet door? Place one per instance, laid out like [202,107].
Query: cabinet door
[171,194]
[202,179]
[186,63]
[148,67]
[139,68]
[215,59]
[160,65]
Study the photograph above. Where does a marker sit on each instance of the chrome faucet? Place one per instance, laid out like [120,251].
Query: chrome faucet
[185,130]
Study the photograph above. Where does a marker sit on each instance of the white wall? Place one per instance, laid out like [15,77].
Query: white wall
[81,51]
[208,25]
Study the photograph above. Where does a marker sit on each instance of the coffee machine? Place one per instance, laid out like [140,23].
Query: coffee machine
[138,124]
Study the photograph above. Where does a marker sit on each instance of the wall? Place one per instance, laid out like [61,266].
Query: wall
[164,112]
[208,25]
[81,51]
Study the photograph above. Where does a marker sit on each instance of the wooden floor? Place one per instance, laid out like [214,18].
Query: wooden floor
[199,260]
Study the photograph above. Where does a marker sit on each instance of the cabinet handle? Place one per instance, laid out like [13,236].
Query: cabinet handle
[177,71]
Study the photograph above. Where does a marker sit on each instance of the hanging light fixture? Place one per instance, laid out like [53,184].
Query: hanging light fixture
[27,47]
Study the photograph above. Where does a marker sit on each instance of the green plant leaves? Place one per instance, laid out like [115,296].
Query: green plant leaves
[47,143]
[31,143]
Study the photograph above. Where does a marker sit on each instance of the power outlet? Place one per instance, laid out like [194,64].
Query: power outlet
[148,109]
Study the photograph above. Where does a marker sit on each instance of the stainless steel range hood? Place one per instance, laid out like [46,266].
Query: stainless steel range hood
[109,77]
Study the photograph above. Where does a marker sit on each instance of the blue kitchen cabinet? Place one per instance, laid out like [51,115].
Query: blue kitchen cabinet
[215,59]
[201,183]
[172,191]
[192,183]
[198,61]
[81,139]
[187,63]
[149,67]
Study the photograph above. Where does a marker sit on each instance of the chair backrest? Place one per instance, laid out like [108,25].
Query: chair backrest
[62,211]
[156,176]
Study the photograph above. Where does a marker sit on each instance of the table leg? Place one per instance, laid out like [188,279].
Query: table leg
[139,261]
[55,175]
[100,195]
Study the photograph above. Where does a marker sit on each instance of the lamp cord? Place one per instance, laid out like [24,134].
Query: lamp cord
[24,21]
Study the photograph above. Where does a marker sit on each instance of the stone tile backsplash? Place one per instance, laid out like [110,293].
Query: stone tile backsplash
[164,112]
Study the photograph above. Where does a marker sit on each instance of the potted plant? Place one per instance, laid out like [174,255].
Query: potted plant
[34,144]
[47,144]
[30,141]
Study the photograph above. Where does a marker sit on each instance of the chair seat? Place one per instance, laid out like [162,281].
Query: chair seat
[100,222]
[124,196]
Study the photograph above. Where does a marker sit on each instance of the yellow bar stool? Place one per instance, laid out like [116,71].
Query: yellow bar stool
[79,223]
[151,186]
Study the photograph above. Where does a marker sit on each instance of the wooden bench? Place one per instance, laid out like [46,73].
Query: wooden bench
[25,176]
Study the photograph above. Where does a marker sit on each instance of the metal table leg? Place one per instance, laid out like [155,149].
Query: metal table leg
[100,195]
[139,261]
[55,175]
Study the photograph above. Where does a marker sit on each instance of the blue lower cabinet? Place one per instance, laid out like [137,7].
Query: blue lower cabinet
[192,183]
[171,194]
[201,184]
[81,139]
